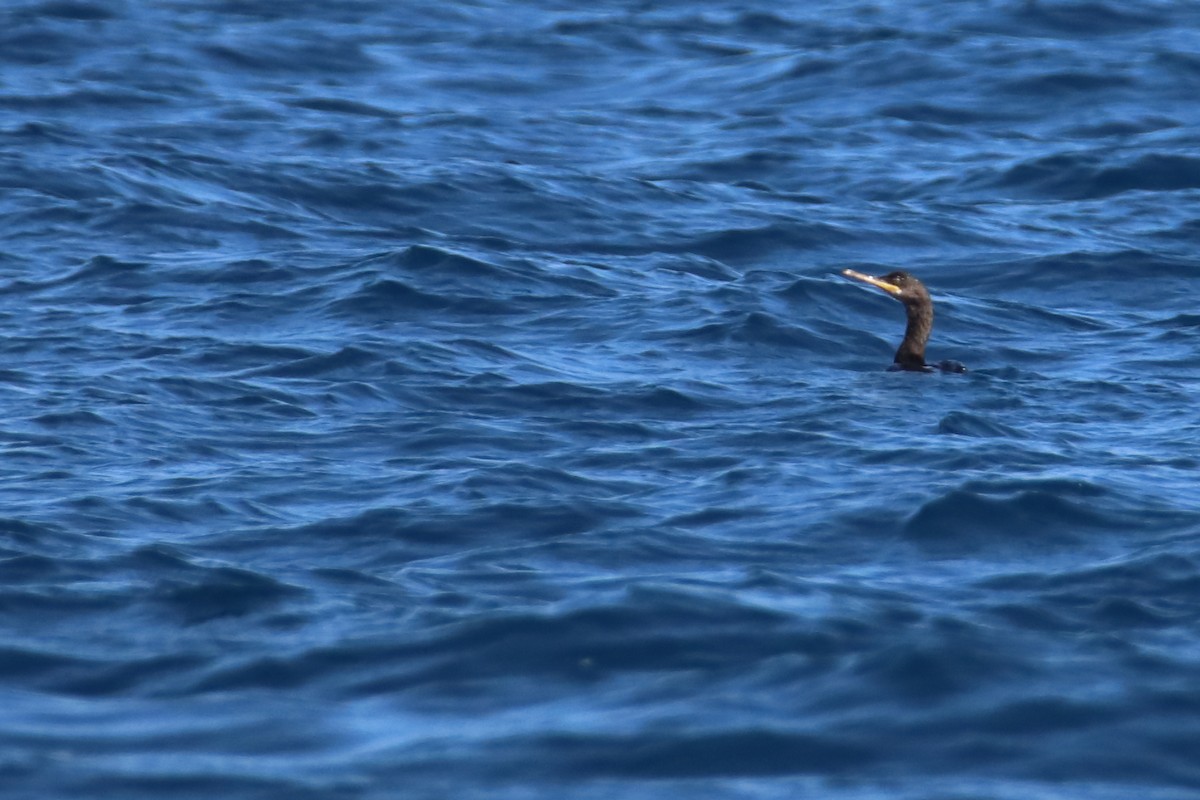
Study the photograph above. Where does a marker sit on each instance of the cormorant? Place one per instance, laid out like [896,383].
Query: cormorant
[910,291]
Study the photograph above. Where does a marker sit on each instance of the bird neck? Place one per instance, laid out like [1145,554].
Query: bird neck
[920,322]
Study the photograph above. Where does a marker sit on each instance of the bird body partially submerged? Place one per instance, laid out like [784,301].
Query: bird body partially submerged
[910,356]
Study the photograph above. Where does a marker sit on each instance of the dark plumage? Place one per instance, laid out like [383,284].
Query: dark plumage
[919,308]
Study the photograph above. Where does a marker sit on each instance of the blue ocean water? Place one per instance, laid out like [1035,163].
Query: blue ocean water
[461,400]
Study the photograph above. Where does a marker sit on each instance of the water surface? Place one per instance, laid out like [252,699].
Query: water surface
[461,400]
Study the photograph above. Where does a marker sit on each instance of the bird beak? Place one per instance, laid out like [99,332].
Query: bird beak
[890,288]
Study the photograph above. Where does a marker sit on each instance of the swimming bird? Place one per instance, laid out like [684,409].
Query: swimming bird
[919,307]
